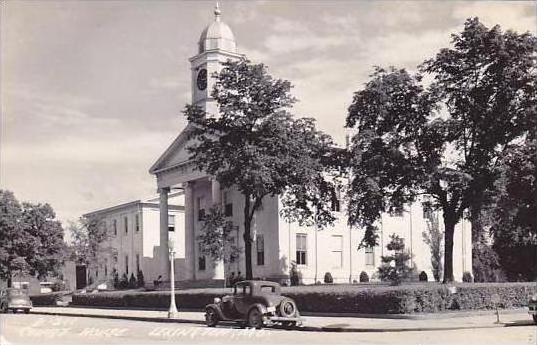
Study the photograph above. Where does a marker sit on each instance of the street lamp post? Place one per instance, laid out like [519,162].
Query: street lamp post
[172,312]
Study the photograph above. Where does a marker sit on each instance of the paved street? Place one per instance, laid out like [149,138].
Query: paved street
[59,330]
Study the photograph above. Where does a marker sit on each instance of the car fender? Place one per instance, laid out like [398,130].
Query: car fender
[260,307]
[217,309]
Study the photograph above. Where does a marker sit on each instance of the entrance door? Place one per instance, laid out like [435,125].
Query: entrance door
[80,277]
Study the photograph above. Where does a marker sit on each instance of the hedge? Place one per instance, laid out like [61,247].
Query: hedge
[48,299]
[413,298]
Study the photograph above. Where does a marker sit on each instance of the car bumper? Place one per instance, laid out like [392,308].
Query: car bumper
[19,306]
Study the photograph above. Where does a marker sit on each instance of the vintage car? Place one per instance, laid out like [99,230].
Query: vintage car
[254,303]
[15,300]
[532,306]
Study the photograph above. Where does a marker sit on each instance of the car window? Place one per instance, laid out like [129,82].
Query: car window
[15,292]
[268,289]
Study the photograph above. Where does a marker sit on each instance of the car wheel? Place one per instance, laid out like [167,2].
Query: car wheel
[535,318]
[255,318]
[26,311]
[15,311]
[3,309]
[287,308]
[211,317]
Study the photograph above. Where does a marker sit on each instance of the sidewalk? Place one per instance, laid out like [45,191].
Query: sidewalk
[315,323]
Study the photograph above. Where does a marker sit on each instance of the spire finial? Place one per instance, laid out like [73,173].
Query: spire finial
[217,11]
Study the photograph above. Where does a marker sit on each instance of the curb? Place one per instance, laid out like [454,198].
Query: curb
[303,328]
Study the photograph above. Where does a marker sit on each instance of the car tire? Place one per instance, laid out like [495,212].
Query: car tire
[211,317]
[287,308]
[26,311]
[3,309]
[255,318]
[535,318]
[15,311]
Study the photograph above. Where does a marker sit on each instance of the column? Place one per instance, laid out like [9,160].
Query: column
[219,269]
[190,238]
[164,247]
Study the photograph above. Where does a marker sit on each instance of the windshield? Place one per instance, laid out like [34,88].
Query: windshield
[16,292]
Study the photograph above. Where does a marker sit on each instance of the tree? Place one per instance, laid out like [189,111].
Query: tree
[395,267]
[31,239]
[216,238]
[44,246]
[10,236]
[87,234]
[254,144]
[444,140]
[512,214]
[433,238]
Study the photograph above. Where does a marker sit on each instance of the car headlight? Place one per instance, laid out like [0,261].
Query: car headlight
[217,300]
[271,309]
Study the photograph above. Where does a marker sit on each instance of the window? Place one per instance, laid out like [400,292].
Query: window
[97,272]
[336,205]
[370,256]
[114,226]
[260,246]
[201,210]
[337,251]
[201,263]
[242,289]
[171,222]
[427,210]
[106,267]
[127,264]
[137,222]
[228,205]
[301,249]
[137,263]
[126,223]
[201,259]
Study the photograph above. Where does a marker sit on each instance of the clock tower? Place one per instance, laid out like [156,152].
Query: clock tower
[216,45]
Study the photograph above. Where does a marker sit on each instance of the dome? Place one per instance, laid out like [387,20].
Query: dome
[217,35]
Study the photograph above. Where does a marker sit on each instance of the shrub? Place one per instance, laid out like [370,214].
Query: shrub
[395,267]
[294,276]
[58,286]
[427,298]
[140,279]
[467,277]
[132,282]
[423,277]
[328,278]
[124,282]
[47,299]
[115,279]
[364,278]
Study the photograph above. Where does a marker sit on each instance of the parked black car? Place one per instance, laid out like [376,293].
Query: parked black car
[15,300]
[255,303]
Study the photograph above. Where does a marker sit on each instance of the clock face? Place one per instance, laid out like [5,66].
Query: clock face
[202,79]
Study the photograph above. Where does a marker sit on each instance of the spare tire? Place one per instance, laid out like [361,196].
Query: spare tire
[287,308]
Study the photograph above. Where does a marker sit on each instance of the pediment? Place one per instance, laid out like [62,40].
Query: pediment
[175,154]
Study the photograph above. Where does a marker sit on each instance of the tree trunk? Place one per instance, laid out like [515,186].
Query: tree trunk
[449,224]
[247,238]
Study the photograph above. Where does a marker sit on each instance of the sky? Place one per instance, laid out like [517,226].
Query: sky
[92,92]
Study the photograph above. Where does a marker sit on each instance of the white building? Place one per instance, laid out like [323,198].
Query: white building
[133,241]
[276,242]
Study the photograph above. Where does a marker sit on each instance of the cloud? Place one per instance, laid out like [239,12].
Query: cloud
[518,16]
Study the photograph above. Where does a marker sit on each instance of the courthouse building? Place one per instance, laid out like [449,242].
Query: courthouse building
[277,244]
